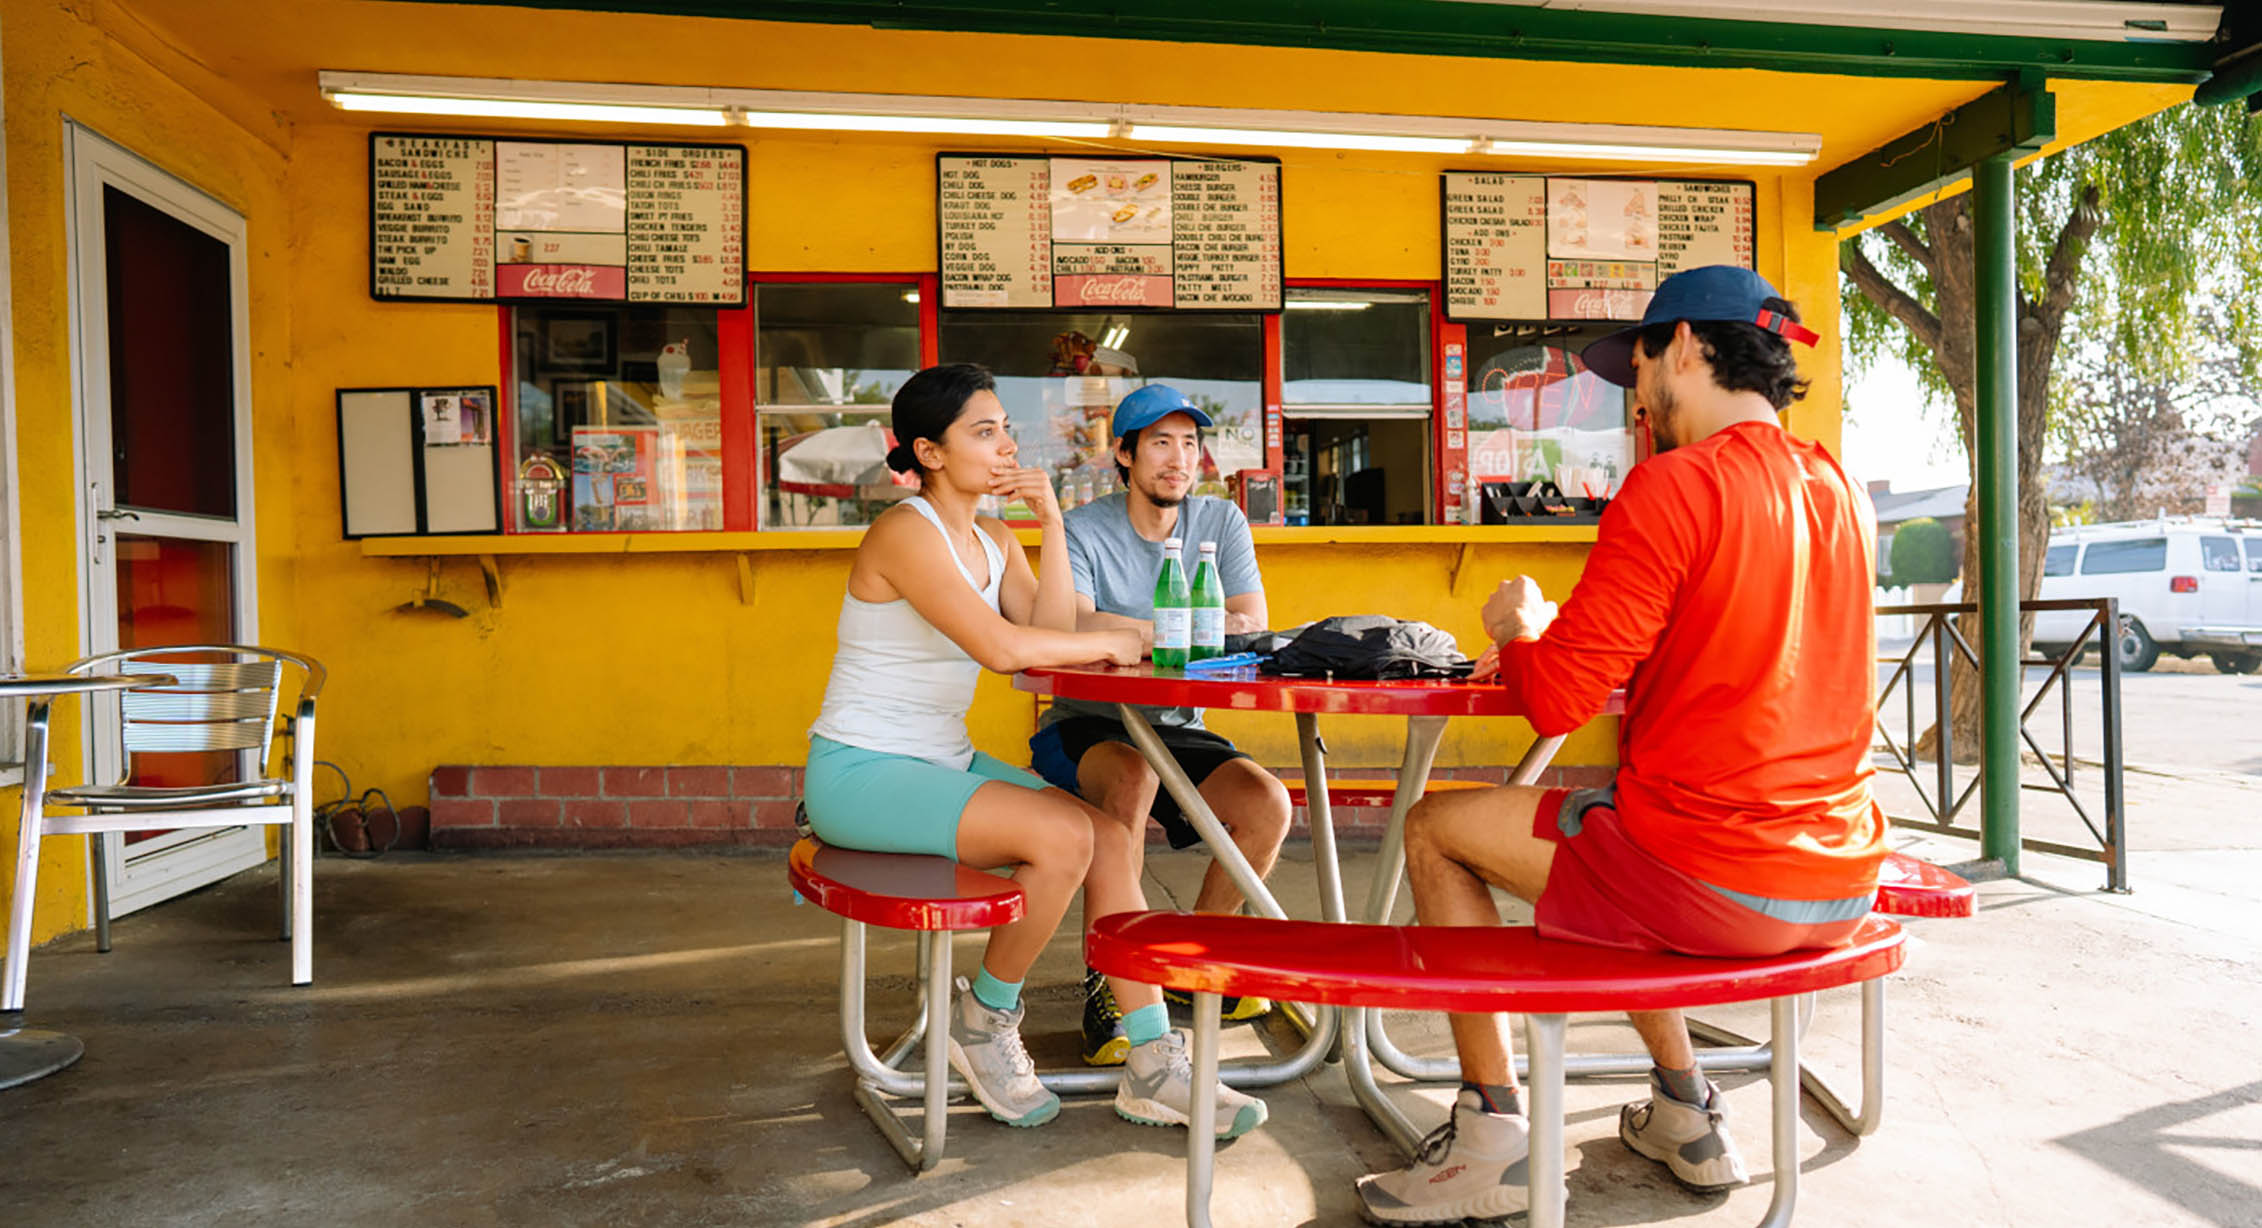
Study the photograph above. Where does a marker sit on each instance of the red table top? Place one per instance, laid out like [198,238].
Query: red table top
[1248,690]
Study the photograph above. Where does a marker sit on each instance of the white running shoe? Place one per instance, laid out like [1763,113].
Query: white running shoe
[986,1051]
[1475,1166]
[1691,1141]
[1158,1090]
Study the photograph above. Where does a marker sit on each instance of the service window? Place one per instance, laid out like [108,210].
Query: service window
[1537,414]
[2114,558]
[2219,553]
[1061,373]
[828,357]
[1357,403]
[619,419]
[2059,560]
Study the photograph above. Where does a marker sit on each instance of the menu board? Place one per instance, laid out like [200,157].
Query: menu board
[1175,233]
[1534,247]
[485,219]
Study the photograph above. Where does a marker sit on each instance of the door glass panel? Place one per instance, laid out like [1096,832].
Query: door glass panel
[173,591]
[172,362]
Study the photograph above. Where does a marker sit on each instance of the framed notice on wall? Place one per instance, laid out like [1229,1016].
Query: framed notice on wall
[417,460]
[482,219]
[1185,234]
[1549,247]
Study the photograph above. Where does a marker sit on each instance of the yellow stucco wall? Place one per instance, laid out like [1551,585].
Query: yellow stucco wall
[647,660]
[60,64]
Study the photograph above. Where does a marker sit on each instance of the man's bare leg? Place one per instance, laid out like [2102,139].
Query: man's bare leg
[1253,805]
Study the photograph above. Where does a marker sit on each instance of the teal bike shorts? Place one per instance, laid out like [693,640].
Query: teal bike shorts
[883,803]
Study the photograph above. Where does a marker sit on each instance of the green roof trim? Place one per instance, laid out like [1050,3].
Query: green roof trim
[2019,119]
[1434,27]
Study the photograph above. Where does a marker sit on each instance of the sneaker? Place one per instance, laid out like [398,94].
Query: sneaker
[1230,1009]
[1475,1166]
[1690,1140]
[986,1051]
[1104,1041]
[1158,1090]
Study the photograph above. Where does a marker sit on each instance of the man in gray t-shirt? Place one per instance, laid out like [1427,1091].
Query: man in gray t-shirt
[1114,553]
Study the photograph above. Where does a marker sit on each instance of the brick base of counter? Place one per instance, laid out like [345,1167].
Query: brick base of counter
[625,806]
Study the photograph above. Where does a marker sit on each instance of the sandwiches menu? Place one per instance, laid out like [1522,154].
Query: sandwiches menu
[1541,247]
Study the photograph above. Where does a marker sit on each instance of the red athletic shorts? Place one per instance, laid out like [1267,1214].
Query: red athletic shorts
[1606,890]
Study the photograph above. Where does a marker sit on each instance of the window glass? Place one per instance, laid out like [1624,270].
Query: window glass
[1061,373]
[828,357]
[2059,560]
[1537,414]
[1355,347]
[2219,553]
[2113,558]
[619,414]
[2254,554]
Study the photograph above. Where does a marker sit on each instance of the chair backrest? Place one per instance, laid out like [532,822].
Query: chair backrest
[211,705]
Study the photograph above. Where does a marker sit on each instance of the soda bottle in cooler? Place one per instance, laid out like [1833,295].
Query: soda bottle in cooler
[1173,610]
[1207,598]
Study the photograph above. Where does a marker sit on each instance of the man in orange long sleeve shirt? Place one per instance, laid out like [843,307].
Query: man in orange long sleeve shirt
[1729,593]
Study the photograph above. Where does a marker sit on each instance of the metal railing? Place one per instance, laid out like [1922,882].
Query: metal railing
[1944,800]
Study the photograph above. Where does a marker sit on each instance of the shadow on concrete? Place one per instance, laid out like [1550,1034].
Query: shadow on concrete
[2141,1149]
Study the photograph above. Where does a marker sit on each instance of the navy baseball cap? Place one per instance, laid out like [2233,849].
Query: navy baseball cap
[1151,404]
[1713,292]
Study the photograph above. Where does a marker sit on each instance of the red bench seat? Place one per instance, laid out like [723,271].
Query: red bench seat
[1909,887]
[1372,792]
[1473,969]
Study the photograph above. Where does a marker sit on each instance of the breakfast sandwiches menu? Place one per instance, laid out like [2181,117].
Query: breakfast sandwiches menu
[1033,232]
[1541,247]
[480,219]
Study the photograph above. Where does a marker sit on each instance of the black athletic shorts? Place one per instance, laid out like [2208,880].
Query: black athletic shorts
[1057,748]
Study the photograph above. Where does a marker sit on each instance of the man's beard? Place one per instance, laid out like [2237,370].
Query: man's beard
[1159,499]
[1661,437]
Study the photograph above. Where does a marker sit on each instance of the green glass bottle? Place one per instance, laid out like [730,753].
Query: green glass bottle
[1173,612]
[1208,601]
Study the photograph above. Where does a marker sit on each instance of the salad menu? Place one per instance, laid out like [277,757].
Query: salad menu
[1036,232]
[482,219]
[1542,247]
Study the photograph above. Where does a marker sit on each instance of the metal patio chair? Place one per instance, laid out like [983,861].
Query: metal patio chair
[223,697]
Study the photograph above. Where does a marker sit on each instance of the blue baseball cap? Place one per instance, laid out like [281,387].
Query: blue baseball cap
[1151,404]
[1713,292]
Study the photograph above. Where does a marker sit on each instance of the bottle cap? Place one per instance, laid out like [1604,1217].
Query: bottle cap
[1209,547]
[1172,543]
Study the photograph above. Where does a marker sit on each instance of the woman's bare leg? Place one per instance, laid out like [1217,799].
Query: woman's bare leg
[1047,834]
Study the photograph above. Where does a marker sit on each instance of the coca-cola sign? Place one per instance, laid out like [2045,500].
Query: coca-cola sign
[1111,290]
[562,281]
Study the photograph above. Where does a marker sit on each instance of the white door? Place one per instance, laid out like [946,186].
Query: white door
[2222,582]
[2254,585]
[164,465]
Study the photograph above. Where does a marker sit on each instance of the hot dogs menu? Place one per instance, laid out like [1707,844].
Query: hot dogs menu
[1109,232]
[480,219]
[1534,247]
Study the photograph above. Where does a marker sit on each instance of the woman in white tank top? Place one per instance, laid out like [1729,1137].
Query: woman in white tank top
[935,595]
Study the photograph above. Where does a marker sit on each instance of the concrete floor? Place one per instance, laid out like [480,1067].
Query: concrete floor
[651,1039]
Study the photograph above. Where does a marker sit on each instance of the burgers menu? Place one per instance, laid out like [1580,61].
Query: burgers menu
[481,219]
[1538,247]
[1109,232]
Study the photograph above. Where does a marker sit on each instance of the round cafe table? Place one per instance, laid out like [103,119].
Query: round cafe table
[32,1053]
[1425,703]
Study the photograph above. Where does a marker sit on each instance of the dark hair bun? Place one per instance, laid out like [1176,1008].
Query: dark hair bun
[900,458]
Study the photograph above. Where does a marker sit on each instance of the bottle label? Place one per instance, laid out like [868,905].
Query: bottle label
[1209,627]
[1173,627]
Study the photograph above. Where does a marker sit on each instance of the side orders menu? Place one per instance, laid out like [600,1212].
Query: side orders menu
[1174,233]
[483,219]
[1540,247]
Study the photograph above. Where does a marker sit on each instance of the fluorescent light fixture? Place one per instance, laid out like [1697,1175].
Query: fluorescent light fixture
[911,296]
[1114,338]
[1128,124]
[1327,304]
[1379,142]
[940,124]
[508,108]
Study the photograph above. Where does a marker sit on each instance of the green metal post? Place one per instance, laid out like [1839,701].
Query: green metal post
[1995,251]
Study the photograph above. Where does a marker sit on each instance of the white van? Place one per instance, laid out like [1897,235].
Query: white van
[2187,586]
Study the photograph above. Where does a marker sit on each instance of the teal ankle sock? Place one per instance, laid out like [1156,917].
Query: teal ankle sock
[996,994]
[1148,1023]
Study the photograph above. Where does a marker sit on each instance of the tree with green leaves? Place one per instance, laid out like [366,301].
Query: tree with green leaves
[2122,240]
